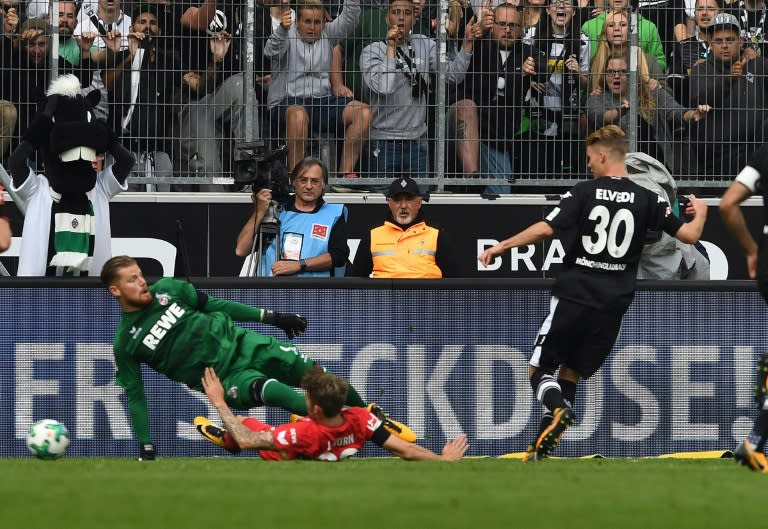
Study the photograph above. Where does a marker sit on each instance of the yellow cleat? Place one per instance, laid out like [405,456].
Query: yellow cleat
[392,426]
[549,438]
[214,434]
[295,417]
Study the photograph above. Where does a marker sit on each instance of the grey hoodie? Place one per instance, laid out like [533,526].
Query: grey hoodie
[300,69]
[397,115]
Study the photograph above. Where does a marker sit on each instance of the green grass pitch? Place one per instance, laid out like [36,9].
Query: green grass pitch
[183,493]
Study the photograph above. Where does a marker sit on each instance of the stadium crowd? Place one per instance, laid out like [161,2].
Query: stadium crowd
[526,81]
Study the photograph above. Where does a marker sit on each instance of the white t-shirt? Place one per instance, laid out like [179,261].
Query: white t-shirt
[85,24]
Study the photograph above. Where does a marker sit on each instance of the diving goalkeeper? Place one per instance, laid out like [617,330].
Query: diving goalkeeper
[179,331]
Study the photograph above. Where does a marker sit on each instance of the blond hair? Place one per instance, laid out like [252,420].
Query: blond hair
[610,138]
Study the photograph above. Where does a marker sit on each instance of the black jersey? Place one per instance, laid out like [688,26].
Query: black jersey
[605,222]
[753,180]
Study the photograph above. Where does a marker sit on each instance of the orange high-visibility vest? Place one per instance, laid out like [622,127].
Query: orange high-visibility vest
[404,253]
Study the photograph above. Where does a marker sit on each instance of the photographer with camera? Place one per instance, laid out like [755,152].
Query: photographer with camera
[396,81]
[294,235]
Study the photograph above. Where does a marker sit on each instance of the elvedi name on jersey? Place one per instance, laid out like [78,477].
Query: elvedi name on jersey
[171,315]
[614,196]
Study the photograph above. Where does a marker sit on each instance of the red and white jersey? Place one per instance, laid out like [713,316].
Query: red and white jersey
[306,439]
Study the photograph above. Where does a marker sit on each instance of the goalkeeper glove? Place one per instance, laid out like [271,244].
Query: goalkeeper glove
[147,452]
[292,324]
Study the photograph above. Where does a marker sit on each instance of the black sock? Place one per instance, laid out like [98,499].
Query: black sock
[761,429]
[546,420]
[568,390]
[547,390]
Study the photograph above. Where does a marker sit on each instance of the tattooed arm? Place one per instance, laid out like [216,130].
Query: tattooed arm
[243,436]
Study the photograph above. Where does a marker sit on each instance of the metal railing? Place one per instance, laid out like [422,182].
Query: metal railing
[186,136]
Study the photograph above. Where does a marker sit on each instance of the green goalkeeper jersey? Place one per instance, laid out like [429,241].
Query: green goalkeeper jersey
[179,333]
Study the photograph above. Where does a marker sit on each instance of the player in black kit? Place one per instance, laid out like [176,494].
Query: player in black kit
[751,452]
[604,224]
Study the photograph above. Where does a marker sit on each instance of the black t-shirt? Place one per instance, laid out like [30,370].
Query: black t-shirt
[604,223]
[193,46]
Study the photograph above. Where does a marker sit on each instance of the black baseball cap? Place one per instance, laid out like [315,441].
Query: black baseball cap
[156,9]
[403,185]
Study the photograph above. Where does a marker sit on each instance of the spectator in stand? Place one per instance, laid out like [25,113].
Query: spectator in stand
[104,17]
[664,15]
[211,54]
[648,34]
[497,83]
[555,118]
[662,120]
[346,77]
[106,20]
[534,19]
[143,86]
[614,41]
[7,125]
[30,64]
[300,96]
[753,18]
[691,51]
[312,233]
[13,15]
[405,246]
[26,55]
[733,83]
[396,77]
[69,47]
[10,22]
[5,226]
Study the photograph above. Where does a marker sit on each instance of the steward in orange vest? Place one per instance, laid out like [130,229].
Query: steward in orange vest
[404,246]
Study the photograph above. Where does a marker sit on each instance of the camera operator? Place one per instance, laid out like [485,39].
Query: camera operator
[312,234]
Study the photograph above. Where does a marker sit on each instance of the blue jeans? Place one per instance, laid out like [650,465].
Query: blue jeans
[495,163]
[325,113]
[395,158]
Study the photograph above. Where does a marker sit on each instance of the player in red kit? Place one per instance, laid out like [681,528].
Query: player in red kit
[327,433]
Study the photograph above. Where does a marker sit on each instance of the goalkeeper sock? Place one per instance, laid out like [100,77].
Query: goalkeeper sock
[275,393]
[353,398]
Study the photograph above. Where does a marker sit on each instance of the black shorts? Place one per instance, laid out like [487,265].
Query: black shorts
[576,336]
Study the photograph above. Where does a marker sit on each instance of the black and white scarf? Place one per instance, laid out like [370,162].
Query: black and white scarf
[72,235]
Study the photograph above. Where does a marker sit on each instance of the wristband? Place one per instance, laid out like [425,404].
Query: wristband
[302,265]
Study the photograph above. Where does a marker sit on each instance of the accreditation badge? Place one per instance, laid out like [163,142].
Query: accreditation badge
[292,243]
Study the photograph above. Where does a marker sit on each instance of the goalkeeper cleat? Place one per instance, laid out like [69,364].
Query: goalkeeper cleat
[392,426]
[747,455]
[548,439]
[216,435]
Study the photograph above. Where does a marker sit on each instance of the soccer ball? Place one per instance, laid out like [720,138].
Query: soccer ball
[47,439]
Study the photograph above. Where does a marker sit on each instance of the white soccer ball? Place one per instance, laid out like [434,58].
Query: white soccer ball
[47,439]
